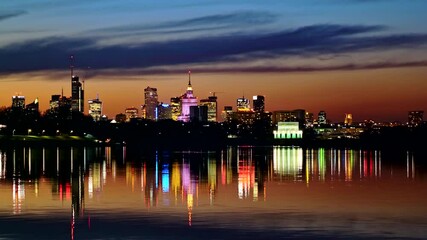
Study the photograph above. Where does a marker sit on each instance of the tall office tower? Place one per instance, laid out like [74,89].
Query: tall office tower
[187,100]
[199,113]
[227,113]
[77,92]
[54,102]
[130,113]
[175,108]
[77,95]
[95,108]
[34,106]
[348,120]
[163,111]
[18,102]
[211,104]
[321,118]
[243,104]
[151,102]
[309,119]
[259,103]
[415,118]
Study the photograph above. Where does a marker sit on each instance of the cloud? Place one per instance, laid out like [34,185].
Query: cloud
[4,16]
[198,24]
[310,41]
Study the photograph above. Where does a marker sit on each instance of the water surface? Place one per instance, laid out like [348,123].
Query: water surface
[236,192]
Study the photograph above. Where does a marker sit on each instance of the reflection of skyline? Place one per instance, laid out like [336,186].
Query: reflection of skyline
[188,179]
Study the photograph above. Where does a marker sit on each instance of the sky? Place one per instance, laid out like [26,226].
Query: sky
[365,57]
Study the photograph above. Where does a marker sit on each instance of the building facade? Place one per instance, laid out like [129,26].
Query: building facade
[259,103]
[95,109]
[211,104]
[243,104]
[187,100]
[77,95]
[150,103]
[18,102]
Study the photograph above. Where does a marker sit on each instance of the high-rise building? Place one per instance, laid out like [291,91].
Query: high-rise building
[151,102]
[34,106]
[54,102]
[243,104]
[77,95]
[163,111]
[227,113]
[259,103]
[187,100]
[95,108]
[130,113]
[321,118]
[199,113]
[211,104]
[415,118]
[348,120]
[18,102]
[175,107]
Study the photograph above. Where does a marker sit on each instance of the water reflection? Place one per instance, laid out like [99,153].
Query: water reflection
[106,179]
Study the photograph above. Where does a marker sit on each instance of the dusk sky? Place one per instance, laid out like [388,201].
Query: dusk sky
[365,57]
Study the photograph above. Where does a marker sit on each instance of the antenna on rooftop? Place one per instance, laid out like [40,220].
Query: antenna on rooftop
[72,65]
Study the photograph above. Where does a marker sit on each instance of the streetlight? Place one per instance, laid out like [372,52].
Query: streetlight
[29,131]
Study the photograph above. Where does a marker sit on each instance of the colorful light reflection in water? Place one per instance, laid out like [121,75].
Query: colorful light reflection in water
[98,181]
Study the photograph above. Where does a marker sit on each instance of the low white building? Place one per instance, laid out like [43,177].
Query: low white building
[287,130]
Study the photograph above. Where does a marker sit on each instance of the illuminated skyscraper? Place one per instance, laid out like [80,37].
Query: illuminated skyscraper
[259,103]
[227,113]
[34,106]
[163,111]
[243,104]
[54,102]
[151,102]
[77,95]
[212,106]
[18,102]
[348,120]
[415,118]
[187,100]
[130,113]
[175,107]
[95,108]
[77,92]
[321,117]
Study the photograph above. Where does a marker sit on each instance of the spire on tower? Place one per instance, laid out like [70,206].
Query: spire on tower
[189,78]
[72,65]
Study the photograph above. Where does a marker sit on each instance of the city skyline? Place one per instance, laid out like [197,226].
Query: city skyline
[312,55]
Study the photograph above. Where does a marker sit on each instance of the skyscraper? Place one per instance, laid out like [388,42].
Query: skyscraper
[415,118]
[130,113]
[243,104]
[321,118]
[187,100]
[227,113]
[211,104]
[151,102]
[348,120]
[77,92]
[77,95]
[18,102]
[175,107]
[259,103]
[95,108]
[34,106]
[163,111]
